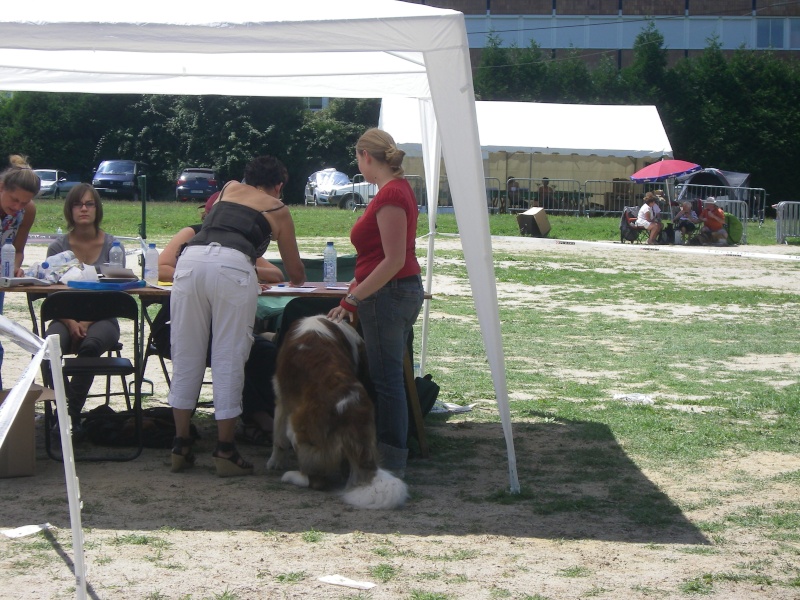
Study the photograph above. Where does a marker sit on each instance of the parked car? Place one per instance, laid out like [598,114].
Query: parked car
[56,183]
[330,187]
[119,178]
[320,184]
[197,183]
[350,195]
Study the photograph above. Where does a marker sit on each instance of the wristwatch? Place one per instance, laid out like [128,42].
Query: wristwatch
[352,299]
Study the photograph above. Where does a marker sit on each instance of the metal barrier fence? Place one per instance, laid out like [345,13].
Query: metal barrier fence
[755,198]
[787,221]
[556,196]
[494,198]
[740,210]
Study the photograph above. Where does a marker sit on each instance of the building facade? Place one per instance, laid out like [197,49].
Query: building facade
[597,28]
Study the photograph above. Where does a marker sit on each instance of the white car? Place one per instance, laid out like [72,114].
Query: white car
[330,187]
[351,195]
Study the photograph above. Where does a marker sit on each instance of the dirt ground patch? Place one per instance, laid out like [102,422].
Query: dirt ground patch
[151,534]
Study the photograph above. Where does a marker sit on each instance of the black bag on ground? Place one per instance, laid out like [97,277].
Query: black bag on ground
[428,391]
[105,427]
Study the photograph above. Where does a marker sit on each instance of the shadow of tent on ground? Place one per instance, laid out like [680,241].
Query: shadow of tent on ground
[577,483]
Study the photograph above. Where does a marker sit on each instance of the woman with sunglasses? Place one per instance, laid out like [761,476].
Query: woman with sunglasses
[83,212]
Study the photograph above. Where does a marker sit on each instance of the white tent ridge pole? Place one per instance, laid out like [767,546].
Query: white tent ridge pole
[432,157]
[450,80]
[73,488]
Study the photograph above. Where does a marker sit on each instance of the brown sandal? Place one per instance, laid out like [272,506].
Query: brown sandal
[182,455]
[233,465]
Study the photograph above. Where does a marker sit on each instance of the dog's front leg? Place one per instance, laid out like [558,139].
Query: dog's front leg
[280,439]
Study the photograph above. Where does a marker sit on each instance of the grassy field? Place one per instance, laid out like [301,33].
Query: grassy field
[166,218]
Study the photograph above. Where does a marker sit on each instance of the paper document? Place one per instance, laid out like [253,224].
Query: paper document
[284,289]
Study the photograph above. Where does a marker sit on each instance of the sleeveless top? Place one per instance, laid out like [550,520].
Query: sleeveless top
[10,226]
[235,226]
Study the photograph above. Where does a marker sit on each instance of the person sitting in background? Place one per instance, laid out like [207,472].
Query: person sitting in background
[686,220]
[546,193]
[83,212]
[713,219]
[647,218]
[258,397]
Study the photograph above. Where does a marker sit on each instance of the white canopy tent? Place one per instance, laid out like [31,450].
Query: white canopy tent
[349,48]
[600,130]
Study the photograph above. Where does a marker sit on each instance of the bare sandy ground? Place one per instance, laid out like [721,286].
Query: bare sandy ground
[151,534]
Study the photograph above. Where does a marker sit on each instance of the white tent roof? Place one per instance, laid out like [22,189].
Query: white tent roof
[348,48]
[601,130]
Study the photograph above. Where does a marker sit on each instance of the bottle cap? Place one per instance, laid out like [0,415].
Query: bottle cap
[151,245]
[45,265]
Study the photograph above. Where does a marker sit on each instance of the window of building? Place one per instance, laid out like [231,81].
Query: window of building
[794,34]
[769,33]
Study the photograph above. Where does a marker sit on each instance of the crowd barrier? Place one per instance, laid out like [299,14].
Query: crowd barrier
[787,221]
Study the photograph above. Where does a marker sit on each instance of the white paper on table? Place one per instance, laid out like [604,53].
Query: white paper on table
[283,289]
[25,530]
[344,581]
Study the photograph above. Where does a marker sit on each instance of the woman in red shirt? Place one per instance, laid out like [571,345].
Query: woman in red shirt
[387,290]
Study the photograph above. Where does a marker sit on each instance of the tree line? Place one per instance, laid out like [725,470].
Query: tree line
[75,132]
[737,112]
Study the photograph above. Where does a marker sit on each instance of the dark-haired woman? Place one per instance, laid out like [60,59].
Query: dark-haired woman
[18,186]
[215,291]
[83,212]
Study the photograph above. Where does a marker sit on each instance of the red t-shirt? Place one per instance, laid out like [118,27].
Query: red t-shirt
[366,238]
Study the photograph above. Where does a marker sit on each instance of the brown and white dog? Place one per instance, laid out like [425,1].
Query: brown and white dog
[323,410]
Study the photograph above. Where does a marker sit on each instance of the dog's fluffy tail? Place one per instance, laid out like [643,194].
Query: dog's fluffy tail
[384,491]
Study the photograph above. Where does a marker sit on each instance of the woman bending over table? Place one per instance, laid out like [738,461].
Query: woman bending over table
[388,290]
[215,291]
[83,212]
[18,185]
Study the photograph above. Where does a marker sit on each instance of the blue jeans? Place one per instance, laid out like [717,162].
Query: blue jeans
[387,318]
[2,352]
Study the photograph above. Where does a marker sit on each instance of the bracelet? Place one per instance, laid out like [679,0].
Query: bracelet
[347,306]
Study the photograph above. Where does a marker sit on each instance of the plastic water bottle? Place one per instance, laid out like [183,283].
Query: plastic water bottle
[59,231]
[8,256]
[61,259]
[116,256]
[43,271]
[329,264]
[151,264]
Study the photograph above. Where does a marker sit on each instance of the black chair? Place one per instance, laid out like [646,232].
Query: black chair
[94,306]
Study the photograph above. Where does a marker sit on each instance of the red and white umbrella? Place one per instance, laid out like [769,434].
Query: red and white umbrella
[663,170]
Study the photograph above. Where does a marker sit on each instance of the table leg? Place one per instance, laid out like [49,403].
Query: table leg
[416,410]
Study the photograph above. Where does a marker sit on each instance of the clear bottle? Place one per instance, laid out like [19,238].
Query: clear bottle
[116,256]
[61,259]
[59,231]
[43,271]
[151,264]
[8,256]
[329,264]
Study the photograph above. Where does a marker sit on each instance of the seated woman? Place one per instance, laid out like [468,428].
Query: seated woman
[686,220]
[258,397]
[648,218]
[83,212]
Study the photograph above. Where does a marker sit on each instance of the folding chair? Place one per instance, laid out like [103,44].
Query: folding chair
[629,231]
[94,306]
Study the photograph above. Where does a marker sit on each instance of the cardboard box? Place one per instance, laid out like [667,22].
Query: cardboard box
[18,454]
[533,222]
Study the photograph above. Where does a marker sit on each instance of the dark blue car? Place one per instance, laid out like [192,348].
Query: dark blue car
[196,183]
[119,178]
